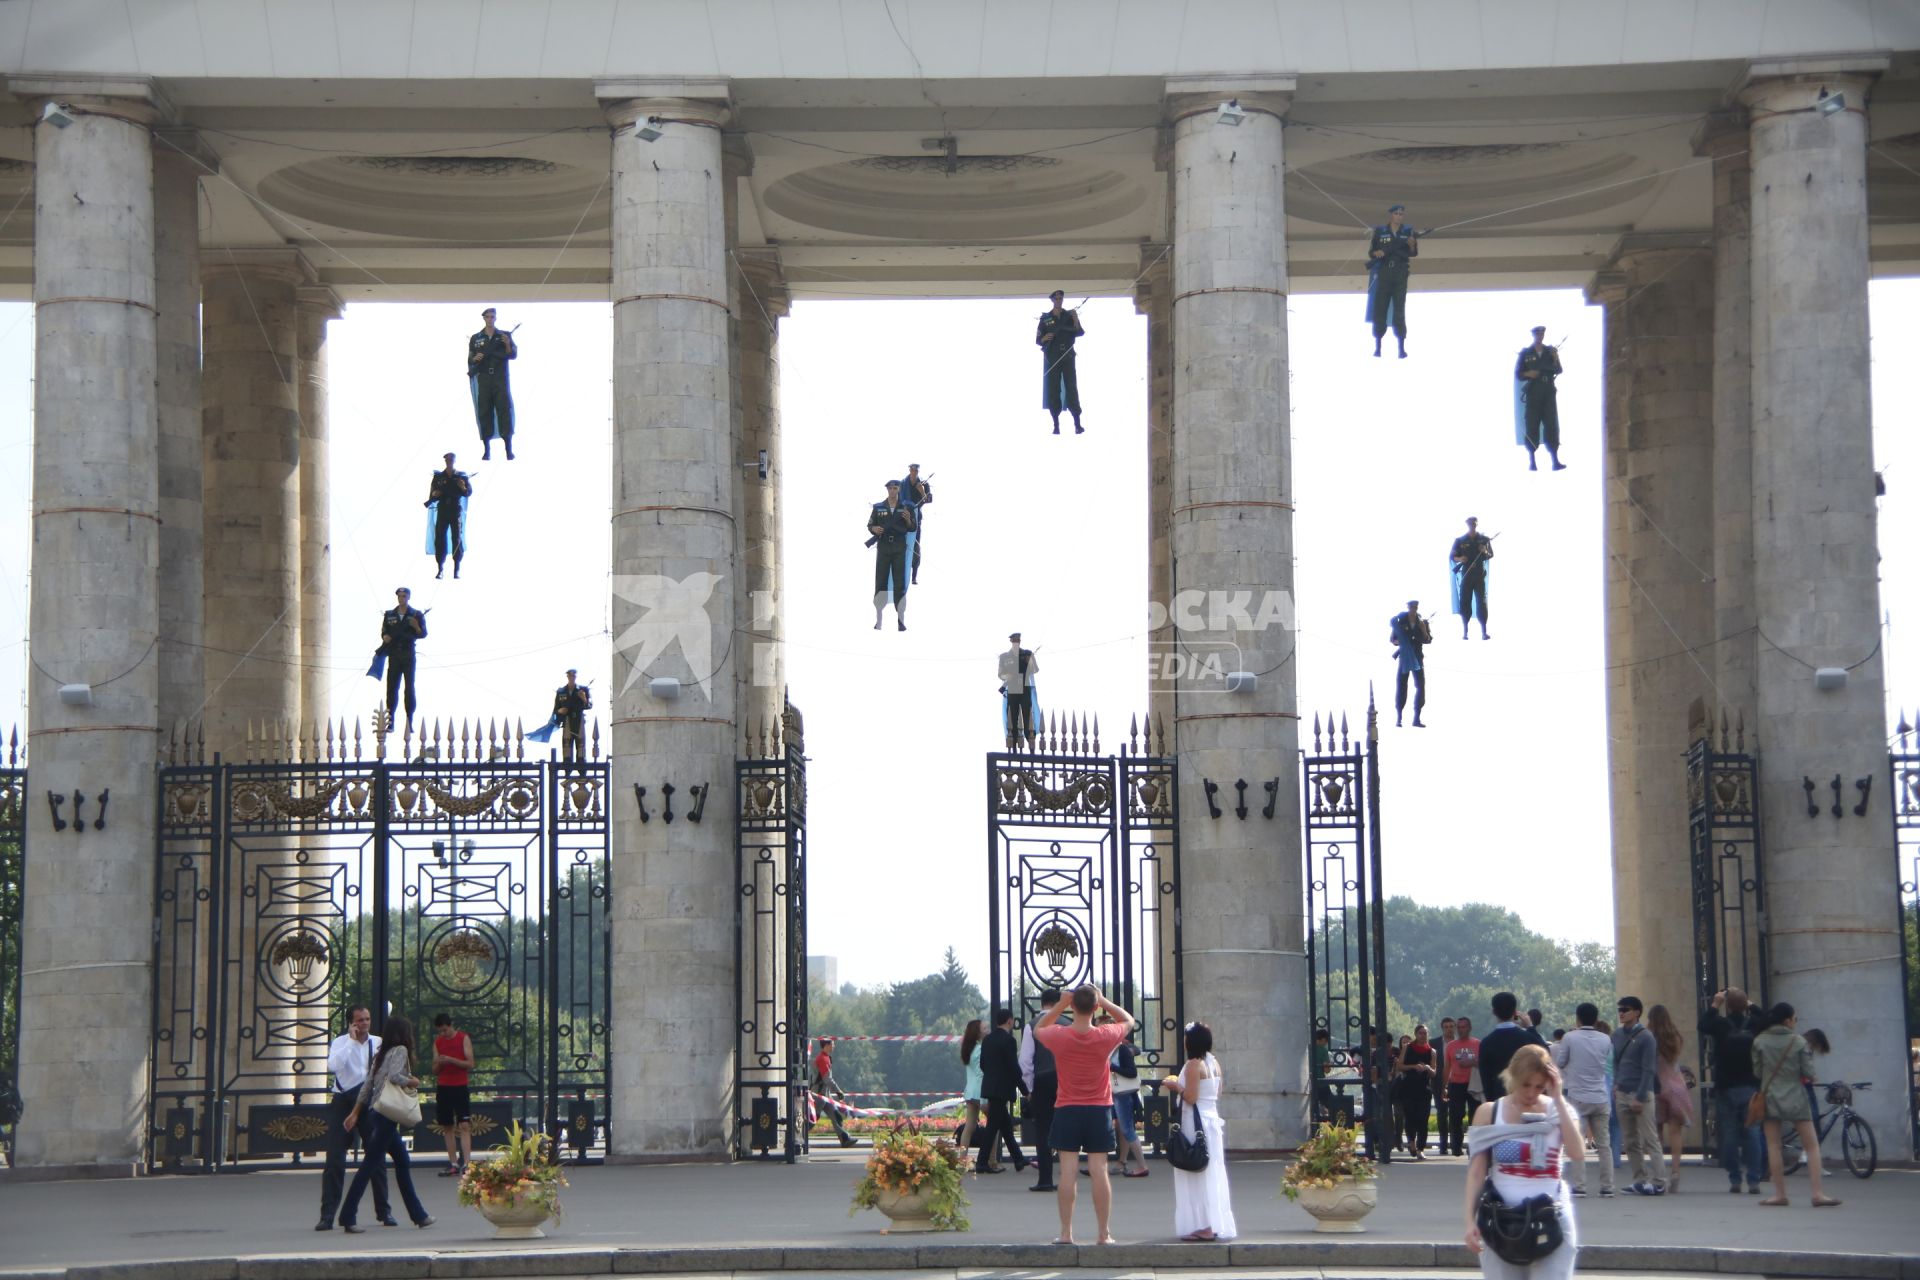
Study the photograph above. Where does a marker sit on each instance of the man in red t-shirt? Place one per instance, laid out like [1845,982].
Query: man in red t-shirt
[1083,1108]
[1462,1056]
[823,1084]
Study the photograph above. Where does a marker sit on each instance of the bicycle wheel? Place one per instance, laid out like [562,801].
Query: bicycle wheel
[1858,1145]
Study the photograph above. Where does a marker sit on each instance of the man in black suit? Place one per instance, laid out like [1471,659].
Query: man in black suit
[1499,1045]
[1042,1079]
[999,1083]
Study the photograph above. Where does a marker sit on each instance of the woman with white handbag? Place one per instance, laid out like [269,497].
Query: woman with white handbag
[390,1100]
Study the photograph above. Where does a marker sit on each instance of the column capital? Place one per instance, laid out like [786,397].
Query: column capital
[133,98]
[187,148]
[319,298]
[1190,95]
[766,279]
[694,102]
[289,266]
[1606,287]
[1777,86]
[1723,134]
[1156,272]
[1633,249]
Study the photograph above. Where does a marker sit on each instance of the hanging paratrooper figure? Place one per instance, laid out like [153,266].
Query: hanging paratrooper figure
[1537,409]
[1060,384]
[1390,252]
[916,493]
[890,522]
[1020,696]
[487,354]
[446,504]
[1467,562]
[1410,636]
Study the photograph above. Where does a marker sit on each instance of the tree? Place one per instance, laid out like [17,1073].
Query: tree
[1448,962]
[941,1003]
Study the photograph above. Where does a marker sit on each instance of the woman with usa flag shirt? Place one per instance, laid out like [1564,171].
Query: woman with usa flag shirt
[1516,1148]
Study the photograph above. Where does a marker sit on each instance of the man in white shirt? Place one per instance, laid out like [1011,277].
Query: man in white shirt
[349,1058]
[1582,1060]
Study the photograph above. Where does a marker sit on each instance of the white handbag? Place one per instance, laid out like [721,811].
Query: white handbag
[399,1104]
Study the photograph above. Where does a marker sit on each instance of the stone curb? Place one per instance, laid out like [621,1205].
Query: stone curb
[1393,1256]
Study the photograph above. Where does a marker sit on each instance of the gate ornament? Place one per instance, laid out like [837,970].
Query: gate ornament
[296,1128]
[1090,787]
[259,801]
[1057,945]
[462,806]
[462,952]
[299,951]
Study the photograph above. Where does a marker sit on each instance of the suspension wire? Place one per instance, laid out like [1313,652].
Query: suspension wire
[1654,605]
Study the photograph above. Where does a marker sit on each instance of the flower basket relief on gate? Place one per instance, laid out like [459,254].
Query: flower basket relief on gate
[462,952]
[917,1180]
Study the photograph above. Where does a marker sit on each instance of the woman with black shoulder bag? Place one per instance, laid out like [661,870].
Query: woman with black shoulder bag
[1519,1209]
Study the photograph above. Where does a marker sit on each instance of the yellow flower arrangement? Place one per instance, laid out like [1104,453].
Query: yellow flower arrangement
[1330,1157]
[906,1160]
[524,1171]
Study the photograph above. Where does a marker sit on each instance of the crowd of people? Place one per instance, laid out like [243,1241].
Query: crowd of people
[1541,1102]
[1077,1081]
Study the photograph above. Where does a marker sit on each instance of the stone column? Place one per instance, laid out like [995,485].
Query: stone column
[176,209]
[86,977]
[250,387]
[1153,298]
[1231,536]
[1666,554]
[1608,289]
[1724,137]
[761,302]
[674,587]
[1832,923]
[315,306]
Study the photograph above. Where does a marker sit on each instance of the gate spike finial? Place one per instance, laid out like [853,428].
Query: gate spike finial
[596,737]
[463,739]
[1096,734]
[519,739]
[1903,729]
[1160,735]
[1133,733]
[1316,733]
[1344,740]
[1740,729]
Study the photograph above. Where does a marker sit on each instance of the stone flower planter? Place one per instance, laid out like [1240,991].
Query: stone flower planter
[515,1220]
[1339,1208]
[906,1211]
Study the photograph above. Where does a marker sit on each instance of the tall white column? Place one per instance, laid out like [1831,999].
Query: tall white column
[1665,323]
[250,392]
[85,991]
[1153,298]
[1724,137]
[1231,532]
[761,303]
[1832,904]
[674,586]
[316,305]
[178,163]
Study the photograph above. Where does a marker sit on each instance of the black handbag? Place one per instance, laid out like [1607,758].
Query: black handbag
[1519,1234]
[1189,1154]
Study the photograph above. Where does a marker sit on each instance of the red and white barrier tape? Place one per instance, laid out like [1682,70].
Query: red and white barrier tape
[820,1102]
[906,1039]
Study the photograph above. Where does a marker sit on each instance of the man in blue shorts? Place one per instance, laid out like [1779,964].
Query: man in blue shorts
[1083,1105]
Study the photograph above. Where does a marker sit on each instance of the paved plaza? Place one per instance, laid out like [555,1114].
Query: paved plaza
[753,1218]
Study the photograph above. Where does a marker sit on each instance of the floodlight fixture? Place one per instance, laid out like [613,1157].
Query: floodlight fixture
[1231,112]
[1242,681]
[1830,678]
[57,114]
[665,688]
[647,130]
[76,695]
[1831,103]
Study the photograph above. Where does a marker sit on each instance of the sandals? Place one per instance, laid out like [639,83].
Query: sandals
[1137,1173]
[1194,1237]
[1773,1202]
[1823,1202]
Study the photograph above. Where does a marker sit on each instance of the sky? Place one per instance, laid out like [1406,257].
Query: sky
[1031,532]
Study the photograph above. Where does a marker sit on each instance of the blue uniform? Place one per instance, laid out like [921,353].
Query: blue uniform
[1410,636]
[1387,278]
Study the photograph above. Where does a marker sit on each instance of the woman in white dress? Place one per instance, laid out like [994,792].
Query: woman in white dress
[1202,1205]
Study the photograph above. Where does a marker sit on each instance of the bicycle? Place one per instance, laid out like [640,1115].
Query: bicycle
[1858,1147]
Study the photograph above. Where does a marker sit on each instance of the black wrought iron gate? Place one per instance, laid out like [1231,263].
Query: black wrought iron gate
[287,892]
[13,889]
[1083,878]
[1346,917]
[770,945]
[1904,764]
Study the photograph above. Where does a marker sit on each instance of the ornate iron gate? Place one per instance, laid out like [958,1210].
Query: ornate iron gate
[13,890]
[770,945]
[1905,768]
[464,882]
[1346,917]
[1083,877]
[1729,899]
